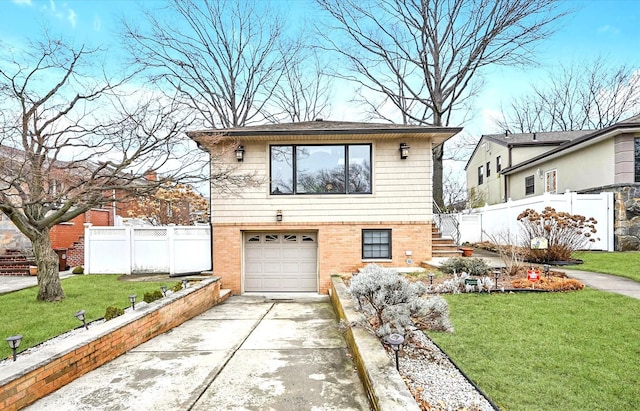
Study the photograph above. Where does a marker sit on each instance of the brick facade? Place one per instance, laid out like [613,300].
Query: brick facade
[65,234]
[339,247]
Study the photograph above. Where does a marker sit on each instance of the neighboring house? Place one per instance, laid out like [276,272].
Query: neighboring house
[497,152]
[605,160]
[332,197]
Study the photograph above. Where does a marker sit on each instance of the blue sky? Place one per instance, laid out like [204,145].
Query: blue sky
[610,28]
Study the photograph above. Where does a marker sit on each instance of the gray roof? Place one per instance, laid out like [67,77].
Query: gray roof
[321,126]
[550,138]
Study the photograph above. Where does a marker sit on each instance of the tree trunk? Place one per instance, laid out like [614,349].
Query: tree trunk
[49,285]
[438,153]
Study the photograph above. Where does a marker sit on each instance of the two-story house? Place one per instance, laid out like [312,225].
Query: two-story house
[591,161]
[331,197]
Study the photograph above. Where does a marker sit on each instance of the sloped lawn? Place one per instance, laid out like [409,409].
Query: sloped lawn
[548,351]
[40,321]
[624,264]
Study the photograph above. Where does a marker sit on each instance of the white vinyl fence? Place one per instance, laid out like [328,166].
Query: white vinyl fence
[489,222]
[147,249]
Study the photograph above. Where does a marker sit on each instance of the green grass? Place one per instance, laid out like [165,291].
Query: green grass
[548,351]
[624,264]
[39,321]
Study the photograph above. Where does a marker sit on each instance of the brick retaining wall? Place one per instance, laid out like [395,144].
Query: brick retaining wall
[24,382]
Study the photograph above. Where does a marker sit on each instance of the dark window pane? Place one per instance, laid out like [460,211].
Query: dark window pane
[359,169]
[529,185]
[320,169]
[376,244]
[281,169]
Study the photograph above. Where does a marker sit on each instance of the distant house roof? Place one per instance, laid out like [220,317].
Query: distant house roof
[321,127]
[553,138]
[591,137]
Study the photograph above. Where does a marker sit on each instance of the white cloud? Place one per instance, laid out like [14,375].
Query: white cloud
[608,29]
[72,17]
[23,2]
[97,23]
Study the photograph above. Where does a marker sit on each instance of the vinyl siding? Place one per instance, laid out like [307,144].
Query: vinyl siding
[401,190]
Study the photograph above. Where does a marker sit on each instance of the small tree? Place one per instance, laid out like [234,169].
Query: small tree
[395,301]
[171,204]
[564,232]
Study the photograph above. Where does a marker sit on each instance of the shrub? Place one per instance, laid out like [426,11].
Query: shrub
[78,270]
[457,285]
[393,302]
[112,312]
[471,266]
[150,297]
[177,287]
[550,284]
[564,232]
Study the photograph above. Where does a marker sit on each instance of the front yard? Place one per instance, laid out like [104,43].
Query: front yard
[624,264]
[548,351]
[39,321]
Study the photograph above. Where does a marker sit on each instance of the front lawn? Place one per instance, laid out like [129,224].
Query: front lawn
[624,264]
[548,351]
[40,321]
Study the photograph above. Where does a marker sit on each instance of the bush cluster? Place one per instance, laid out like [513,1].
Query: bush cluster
[457,284]
[471,266]
[113,312]
[391,302]
[550,284]
[150,297]
[564,232]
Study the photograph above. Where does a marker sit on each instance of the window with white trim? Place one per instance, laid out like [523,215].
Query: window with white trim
[480,175]
[529,185]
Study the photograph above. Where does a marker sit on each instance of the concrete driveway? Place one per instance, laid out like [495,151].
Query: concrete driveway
[281,352]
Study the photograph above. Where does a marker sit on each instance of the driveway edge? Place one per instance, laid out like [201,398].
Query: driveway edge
[383,384]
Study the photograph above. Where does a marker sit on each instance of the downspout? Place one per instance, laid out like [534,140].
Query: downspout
[201,147]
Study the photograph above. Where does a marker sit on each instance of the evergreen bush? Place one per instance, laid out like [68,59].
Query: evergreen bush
[113,312]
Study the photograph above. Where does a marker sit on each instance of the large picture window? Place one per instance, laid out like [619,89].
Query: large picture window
[321,169]
[376,244]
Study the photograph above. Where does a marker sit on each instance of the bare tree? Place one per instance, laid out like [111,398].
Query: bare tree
[71,142]
[424,57]
[579,96]
[221,58]
[304,92]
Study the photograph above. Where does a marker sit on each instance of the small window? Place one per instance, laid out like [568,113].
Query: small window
[376,244]
[498,164]
[529,185]
[269,238]
[307,239]
[551,182]
[254,239]
[480,175]
[290,238]
[488,169]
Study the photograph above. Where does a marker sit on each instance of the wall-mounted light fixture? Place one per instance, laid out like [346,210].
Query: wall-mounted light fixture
[240,153]
[279,215]
[14,343]
[132,300]
[404,151]
[81,316]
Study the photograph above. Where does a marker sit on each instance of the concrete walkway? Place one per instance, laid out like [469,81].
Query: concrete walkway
[248,353]
[606,282]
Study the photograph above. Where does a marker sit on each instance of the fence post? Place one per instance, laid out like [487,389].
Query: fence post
[129,245]
[171,242]
[87,247]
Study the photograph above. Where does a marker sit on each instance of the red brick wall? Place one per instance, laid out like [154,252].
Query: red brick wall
[39,382]
[339,247]
[65,234]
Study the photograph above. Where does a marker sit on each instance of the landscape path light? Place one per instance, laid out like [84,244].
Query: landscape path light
[496,274]
[80,315]
[431,278]
[185,283]
[132,300]
[14,343]
[395,340]
[163,288]
[546,267]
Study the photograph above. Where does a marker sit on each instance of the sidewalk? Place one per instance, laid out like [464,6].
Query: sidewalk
[9,283]
[281,352]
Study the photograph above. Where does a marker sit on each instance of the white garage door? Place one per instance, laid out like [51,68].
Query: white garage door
[280,262]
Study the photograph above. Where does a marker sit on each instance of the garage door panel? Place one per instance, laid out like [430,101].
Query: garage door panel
[280,262]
